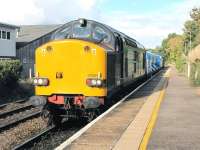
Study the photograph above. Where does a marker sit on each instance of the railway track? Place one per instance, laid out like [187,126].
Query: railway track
[28,143]
[14,110]
[16,120]
[16,114]
[16,102]
[70,131]
[50,137]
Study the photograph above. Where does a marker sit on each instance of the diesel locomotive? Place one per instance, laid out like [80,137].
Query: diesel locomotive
[84,64]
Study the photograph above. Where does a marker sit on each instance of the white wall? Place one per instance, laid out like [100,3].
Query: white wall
[8,47]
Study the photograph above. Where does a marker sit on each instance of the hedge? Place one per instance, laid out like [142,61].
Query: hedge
[9,72]
[195,73]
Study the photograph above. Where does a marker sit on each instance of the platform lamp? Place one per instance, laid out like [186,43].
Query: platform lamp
[189,65]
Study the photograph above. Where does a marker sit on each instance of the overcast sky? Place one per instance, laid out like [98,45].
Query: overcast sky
[148,21]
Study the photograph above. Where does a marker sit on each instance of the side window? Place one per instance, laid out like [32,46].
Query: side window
[99,33]
[135,68]
[118,44]
[8,35]
[131,43]
[0,34]
[135,56]
[135,59]
[144,60]
[3,34]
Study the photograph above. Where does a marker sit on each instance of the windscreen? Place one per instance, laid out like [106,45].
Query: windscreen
[91,32]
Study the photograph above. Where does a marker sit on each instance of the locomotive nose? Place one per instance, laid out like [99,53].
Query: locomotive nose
[71,66]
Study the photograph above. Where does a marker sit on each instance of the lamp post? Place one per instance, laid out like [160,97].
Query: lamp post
[189,67]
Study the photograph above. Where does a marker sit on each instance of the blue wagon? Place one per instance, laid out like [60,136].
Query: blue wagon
[154,62]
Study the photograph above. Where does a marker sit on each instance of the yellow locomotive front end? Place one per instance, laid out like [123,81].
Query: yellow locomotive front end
[70,68]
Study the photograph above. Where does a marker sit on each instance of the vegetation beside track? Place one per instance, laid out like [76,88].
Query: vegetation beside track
[176,47]
[11,87]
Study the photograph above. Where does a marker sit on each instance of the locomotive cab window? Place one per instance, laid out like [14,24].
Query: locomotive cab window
[100,34]
[90,31]
[80,31]
[64,33]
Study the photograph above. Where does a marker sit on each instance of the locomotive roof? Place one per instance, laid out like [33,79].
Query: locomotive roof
[110,29]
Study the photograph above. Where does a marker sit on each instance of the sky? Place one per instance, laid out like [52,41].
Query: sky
[147,21]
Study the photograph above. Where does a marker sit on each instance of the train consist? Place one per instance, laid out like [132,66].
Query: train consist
[154,62]
[84,64]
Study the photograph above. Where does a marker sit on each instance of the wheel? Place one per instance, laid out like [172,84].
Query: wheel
[57,120]
[46,117]
[50,119]
[92,114]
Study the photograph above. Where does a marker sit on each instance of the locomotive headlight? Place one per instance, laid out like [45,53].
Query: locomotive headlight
[35,81]
[94,82]
[99,82]
[41,81]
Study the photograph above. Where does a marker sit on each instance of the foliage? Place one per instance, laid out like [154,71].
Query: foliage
[195,73]
[9,72]
[172,49]
[192,29]
[176,47]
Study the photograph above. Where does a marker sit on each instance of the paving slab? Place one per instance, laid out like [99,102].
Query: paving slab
[178,123]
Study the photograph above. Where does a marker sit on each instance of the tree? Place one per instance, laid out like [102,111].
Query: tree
[192,27]
[195,15]
[173,47]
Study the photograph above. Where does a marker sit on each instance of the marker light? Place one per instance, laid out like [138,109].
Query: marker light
[41,82]
[94,82]
[35,81]
[99,82]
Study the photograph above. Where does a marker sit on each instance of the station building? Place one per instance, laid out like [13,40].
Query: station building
[8,34]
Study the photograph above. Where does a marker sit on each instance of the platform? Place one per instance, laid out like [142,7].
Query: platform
[178,123]
[125,126]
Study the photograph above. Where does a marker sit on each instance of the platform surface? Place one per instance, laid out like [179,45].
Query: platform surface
[107,132]
[178,123]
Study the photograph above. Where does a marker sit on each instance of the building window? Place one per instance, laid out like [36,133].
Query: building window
[8,35]
[3,34]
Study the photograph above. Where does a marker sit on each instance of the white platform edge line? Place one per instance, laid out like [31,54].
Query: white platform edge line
[81,131]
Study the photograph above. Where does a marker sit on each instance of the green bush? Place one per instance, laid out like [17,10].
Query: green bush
[195,78]
[9,72]
[180,64]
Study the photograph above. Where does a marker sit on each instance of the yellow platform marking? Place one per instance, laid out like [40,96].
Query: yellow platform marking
[152,121]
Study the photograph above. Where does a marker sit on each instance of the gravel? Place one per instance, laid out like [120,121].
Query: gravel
[16,135]
[12,106]
[16,116]
[54,139]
